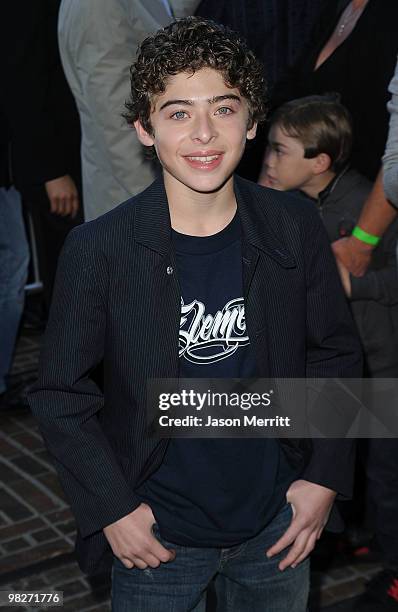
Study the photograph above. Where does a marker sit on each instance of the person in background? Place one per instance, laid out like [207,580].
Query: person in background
[98,40]
[43,127]
[353,51]
[14,260]
[381,209]
[390,159]
[308,150]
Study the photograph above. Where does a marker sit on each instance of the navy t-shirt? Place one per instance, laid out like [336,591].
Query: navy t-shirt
[215,492]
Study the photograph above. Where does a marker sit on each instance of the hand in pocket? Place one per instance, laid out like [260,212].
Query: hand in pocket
[132,540]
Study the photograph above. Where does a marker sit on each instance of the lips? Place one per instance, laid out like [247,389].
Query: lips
[269,180]
[204,160]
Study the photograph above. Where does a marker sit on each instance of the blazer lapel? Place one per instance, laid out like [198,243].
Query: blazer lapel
[261,248]
[259,229]
[152,229]
[258,235]
[152,226]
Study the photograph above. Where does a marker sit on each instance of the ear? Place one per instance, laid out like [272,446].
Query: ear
[252,132]
[143,136]
[322,163]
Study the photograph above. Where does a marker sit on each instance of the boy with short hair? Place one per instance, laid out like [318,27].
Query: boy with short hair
[309,148]
[196,246]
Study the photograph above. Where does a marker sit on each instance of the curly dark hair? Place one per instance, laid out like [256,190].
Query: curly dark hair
[187,45]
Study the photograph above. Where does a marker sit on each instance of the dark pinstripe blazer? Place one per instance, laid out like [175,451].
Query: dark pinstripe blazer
[115,302]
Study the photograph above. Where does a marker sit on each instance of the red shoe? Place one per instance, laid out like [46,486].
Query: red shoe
[381,594]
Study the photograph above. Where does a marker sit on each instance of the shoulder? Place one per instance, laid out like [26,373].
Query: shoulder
[111,229]
[279,206]
[102,235]
[353,184]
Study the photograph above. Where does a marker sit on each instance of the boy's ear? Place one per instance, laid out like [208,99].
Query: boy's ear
[322,163]
[143,136]
[251,133]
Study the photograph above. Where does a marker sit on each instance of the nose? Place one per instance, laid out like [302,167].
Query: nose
[204,129]
[269,157]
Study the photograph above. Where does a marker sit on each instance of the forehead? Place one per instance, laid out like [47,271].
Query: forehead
[278,136]
[199,86]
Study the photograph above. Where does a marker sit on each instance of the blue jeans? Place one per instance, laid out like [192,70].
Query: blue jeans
[246,580]
[14,260]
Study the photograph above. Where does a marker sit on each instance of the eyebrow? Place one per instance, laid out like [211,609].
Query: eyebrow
[275,143]
[213,100]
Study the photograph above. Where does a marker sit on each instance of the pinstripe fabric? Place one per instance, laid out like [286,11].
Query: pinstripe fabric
[115,303]
[276,30]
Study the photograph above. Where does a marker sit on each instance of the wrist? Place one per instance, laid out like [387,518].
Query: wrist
[370,240]
[359,246]
[320,487]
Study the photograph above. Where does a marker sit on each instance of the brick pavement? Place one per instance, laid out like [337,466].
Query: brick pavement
[37,528]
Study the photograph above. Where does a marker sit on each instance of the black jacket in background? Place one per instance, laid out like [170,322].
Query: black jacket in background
[36,103]
[360,71]
[276,30]
[374,296]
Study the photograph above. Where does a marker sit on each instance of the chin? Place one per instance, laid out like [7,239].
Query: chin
[208,186]
[209,183]
[276,186]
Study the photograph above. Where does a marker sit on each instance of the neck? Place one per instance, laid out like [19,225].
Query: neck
[317,184]
[199,214]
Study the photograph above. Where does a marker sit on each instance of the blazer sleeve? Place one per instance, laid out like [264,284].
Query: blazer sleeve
[66,400]
[333,351]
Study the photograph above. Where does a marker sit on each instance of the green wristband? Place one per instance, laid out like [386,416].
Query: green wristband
[365,237]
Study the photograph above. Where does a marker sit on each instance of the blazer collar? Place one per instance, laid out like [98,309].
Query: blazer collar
[152,227]
[259,222]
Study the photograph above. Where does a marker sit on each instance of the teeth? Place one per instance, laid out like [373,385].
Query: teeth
[207,158]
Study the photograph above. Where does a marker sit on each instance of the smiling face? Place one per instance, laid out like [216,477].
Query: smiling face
[199,131]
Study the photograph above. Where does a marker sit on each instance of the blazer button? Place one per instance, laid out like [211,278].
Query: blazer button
[169,270]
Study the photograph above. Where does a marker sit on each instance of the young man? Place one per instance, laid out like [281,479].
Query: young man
[309,148]
[197,245]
